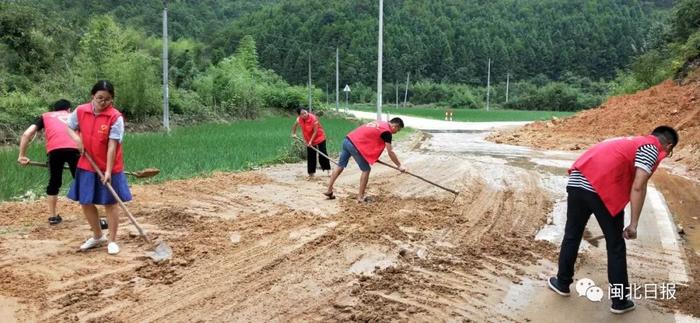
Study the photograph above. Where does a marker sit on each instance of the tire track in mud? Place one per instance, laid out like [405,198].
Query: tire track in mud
[411,256]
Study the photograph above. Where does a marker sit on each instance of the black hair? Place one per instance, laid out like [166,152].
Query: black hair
[666,135]
[397,121]
[301,108]
[103,85]
[61,104]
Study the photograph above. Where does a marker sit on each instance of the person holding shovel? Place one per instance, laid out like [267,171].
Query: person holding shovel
[98,129]
[365,144]
[314,137]
[602,181]
[60,149]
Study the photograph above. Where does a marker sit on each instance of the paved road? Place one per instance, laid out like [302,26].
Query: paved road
[655,258]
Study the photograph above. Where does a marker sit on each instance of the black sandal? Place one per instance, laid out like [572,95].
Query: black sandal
[330,195]
[53,220]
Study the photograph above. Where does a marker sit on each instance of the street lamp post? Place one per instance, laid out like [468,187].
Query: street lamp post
[166,107]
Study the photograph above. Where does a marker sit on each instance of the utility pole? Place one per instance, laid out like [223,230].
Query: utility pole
[166,105]
[379,60]
[405,95]
[309,81]
[488,85]
[507,85]
[396,85]
[337,85]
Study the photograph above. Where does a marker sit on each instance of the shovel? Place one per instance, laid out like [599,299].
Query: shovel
[146,173]
[421,178]
[161,251]
[394,167]
[594,240]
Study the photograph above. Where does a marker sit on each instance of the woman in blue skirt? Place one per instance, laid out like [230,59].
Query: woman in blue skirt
[98,128]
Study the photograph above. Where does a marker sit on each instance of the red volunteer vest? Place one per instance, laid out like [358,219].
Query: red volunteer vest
[609,167]
[94,132]
[368,141]
[57,137]
[307,129]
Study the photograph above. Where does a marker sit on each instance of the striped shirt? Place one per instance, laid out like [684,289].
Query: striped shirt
[645,159]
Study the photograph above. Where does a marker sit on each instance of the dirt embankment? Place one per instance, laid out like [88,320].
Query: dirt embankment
[665,104]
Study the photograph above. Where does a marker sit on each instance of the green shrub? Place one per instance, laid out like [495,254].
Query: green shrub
[18,111]
[186,102]
[555,96]
[625,83]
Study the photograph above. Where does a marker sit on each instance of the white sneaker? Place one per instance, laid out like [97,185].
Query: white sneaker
[92,243]
[112,248]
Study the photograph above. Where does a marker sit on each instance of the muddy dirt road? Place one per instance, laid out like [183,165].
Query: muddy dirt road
[265,246]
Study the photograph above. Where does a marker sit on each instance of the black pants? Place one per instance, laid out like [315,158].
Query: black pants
[311,156]
[580,204]
[58,158]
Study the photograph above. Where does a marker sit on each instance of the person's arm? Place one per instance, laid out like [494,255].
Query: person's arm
[639,192]
[294,128]
[111,154]
[76,137]
[27,138]
[393,157]
[72,129]
[313,135]
[116,135]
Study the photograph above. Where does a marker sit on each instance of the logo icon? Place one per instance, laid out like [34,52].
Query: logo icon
[586,287]
[594,294]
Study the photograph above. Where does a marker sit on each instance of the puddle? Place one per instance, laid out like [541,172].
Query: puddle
[533,164]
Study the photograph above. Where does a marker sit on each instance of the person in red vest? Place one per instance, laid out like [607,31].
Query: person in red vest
[314,136]
[602,181]
[365,144]
[60,149]
[98,128]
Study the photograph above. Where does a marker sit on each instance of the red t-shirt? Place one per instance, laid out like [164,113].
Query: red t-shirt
[307,129]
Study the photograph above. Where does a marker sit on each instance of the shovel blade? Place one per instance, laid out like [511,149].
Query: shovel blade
[148,172]
[161,253]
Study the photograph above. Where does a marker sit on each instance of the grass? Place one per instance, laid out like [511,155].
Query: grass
[185,152]
[467,115]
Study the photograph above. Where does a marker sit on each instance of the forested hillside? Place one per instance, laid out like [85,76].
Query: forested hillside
[451,40]
[560,55]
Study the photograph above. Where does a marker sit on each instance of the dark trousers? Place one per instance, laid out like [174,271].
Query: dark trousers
[58,158]
[311,156]
[580,204]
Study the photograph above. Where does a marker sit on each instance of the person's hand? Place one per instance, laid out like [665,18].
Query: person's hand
[80,147]
[630,232]
[107,178]
[402,169]
[294,135]
[308,144]
[23,160]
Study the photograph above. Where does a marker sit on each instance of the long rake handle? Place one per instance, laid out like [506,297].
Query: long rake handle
[419,177]
[33,163]
[392,166]
[318,151]
[116,197]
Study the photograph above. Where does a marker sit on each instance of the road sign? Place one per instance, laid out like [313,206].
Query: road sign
[347,88]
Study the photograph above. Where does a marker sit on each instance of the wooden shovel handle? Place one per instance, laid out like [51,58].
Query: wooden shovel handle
[318,151]
[419,177]
[116,197]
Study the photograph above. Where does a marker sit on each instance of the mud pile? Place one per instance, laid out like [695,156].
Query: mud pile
[665,104]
